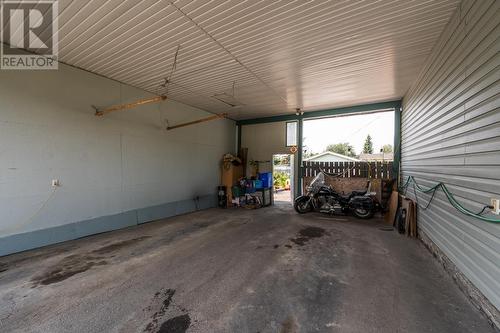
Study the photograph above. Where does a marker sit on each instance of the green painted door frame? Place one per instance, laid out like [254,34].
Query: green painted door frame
[397,142]
[300,148]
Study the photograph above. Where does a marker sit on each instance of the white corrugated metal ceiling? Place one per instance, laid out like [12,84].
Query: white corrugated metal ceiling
[280,54]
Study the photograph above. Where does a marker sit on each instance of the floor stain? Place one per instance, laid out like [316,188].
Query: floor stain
[68,267]
[289,326]
[79,263]
[165,297]
[119,245]
[3,267]
[276,246]
[178,324]
[306,234]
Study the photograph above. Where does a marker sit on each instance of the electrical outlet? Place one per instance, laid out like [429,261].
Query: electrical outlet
[55,183]
[496,206]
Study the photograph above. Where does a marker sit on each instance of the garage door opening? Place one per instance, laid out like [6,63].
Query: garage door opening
[357,149]
[283,178]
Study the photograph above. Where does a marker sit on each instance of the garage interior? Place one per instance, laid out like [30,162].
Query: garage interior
[112,167]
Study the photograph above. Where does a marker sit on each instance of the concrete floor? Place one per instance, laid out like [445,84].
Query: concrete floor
[235,270]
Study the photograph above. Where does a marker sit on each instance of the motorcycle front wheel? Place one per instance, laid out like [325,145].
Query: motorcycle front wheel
[302,205]
[363,213]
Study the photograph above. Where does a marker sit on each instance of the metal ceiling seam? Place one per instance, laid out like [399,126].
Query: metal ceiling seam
[247,34]
[220,7]
[147,79]
[255,31]
[153,77]
[188,57]
[226,50]
[72,18]
[234,18]
[96,34]
[201,6]
[370,65]
[92,21]
[208,90]
[71,9]
[118,40]
[139,50]
[180,74]
[198,94]
[143,50]
[248,14]
[152,42]
[315,19]
[347,31]
[353,45]
[162,62]
[367,48]
[139,37]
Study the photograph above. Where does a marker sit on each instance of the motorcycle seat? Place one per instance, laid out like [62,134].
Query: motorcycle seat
[358,193]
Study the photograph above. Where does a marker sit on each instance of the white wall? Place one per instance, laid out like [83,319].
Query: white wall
[263,141]
[451,134]
[106,165]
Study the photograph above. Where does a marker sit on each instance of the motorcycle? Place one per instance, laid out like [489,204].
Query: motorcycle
[324,199]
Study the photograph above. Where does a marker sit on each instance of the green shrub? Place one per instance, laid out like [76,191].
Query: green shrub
[280,179]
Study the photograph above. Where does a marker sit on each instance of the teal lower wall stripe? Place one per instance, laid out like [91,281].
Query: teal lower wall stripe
[38,238]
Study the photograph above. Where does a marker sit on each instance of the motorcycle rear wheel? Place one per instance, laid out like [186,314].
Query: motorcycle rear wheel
[302,205]
[363,213]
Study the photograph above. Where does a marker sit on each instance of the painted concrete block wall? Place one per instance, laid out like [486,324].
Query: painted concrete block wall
[124,166]
[451,134]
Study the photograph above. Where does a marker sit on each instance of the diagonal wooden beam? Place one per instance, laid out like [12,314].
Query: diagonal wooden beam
[119,107]
[217,116]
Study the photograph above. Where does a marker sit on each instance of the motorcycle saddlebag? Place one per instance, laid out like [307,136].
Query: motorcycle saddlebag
[361,202]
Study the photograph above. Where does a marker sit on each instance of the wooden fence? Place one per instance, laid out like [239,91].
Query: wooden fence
[374,170]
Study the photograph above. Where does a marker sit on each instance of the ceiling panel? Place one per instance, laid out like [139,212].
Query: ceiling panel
[279,55]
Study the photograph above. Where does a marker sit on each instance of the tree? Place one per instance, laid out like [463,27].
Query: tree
[341,148]
[387,149]
[368,147]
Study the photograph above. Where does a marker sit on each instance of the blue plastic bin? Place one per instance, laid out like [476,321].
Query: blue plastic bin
[267,179]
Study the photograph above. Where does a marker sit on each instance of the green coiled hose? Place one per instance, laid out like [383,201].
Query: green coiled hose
[449,196]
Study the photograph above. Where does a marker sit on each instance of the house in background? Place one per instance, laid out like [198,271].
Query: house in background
[328,156]
[381,157]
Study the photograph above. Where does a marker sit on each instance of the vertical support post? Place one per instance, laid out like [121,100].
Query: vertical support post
[397,142]
[298,189]
[238,140]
